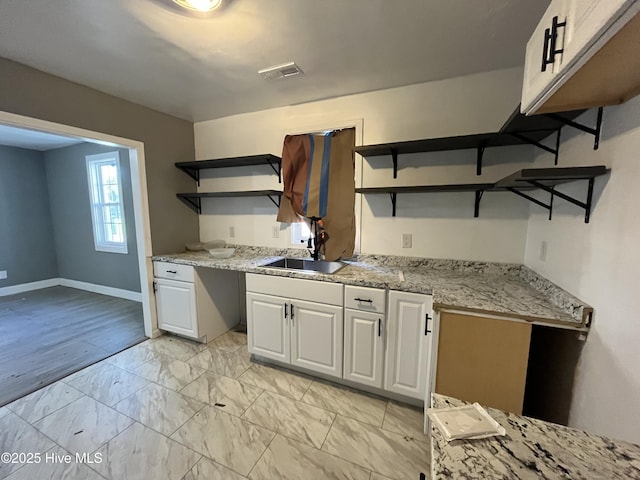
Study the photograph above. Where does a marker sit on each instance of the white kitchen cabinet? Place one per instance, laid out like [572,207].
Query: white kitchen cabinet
[305,328]
[364,340]
[538,74]
[176,302]
[197,303]
[597,65]
[316,336]
[409,343]
[268,327]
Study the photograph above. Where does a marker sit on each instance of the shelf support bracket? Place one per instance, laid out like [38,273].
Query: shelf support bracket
[393,196]
[192,172]
[277,204]
[585,205]
[476,208]
[194,203]
[479,160]
[530,198]
[394,158]
[537,144]
[592,131]
[277,170]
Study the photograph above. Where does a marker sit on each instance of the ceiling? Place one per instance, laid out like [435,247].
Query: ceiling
[148,52]
[33,140]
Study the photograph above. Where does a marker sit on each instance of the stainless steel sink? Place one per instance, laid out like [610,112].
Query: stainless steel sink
[307,265]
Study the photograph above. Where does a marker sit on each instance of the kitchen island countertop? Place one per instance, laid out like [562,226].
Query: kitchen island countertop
[508,290]
[531,449]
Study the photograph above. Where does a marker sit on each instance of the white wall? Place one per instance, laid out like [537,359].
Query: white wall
[599,262]
[442,224]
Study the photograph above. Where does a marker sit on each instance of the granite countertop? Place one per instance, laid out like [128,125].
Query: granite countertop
[531,449]
[509,290]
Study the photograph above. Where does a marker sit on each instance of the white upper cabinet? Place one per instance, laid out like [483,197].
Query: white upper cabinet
[541,65]
[582,54]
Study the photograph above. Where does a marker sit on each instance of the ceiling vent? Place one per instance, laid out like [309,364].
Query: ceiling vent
[281,71]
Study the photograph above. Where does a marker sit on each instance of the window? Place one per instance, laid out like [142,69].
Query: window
[107,209]
[300,233]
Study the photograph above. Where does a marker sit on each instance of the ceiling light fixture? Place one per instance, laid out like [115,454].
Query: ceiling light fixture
[203,6]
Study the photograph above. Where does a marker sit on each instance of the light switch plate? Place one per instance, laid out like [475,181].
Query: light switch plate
[3,274]
[406,240]
[232,232]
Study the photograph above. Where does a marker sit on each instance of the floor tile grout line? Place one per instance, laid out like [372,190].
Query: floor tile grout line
[52,411]
[328,432]
[262,454]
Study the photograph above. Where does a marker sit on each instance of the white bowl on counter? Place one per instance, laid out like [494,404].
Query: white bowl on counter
[221,252]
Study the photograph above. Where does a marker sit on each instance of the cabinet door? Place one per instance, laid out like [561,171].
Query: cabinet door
[316,337]
[364,347]
[176,304]
[537,78]
[590,21]
[267,327]
[407,364]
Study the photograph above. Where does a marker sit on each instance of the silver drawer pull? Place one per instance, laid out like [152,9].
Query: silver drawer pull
[365,300]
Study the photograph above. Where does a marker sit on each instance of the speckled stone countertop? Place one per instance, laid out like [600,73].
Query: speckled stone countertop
[531,449]
[509,290]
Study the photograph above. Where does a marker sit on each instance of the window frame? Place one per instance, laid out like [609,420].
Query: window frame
[96,205]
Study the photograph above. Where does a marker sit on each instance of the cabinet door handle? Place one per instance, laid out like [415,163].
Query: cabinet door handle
[292,313]
[365,300]
[379,327]
[426,324]
[545,50]
[285,310]
[172,271]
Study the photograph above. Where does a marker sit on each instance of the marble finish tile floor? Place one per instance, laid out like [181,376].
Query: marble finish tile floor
[174,409]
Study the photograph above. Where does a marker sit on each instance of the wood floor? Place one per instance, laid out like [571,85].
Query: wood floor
[48,334]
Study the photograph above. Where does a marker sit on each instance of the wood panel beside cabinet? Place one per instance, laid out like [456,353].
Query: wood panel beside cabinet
[483,360]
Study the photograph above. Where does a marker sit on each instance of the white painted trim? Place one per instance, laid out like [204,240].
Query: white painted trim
[101,289]
[27,287]
[140,197]
[65,282]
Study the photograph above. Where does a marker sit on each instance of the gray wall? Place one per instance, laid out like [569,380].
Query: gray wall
[30,92]
[27,249]
[72,226]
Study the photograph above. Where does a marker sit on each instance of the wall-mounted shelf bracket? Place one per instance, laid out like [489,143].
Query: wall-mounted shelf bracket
[192,172]
[276,203]
[585,205]
[193,202]
[394,198]
[479,160]
[535,143]
[592,131]
[276,166]
[394,159]
[476,207]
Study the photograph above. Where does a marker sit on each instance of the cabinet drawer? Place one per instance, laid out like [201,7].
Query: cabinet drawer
[296,288]
[364,298]
[173,271]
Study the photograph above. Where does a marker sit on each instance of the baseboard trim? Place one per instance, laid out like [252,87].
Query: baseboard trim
[65,282]
[101,289]
[27,287]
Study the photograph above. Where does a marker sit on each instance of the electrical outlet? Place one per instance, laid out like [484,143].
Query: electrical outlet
[232,232]
[275,231]
[3,274]
[543,250]
[406,240]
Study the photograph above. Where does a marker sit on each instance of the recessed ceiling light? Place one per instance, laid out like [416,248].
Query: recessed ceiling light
[281,71]
[199,5]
